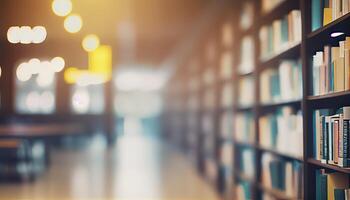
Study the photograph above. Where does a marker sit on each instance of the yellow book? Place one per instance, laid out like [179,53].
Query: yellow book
[336,180]
[327,16]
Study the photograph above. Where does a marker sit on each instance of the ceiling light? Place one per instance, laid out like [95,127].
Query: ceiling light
[336,34]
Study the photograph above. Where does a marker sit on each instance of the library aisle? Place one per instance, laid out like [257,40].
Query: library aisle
[138,167]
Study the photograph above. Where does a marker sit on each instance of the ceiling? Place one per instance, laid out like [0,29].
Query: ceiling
[158,25]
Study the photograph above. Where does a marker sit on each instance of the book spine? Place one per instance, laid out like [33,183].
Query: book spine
[346,142]
[321,137]
[325,140]
[336,141]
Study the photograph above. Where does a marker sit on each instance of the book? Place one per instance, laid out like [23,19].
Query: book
[247,15]
[281,35]
[247,56]
[331,10]
[244,127]
[332,133]
[282,175]
[227,95]
[282,131]
[331,69]
[282,84]
[268,5]
[316,14]
[246,162]
[243,190]
[226,65]
[246,92]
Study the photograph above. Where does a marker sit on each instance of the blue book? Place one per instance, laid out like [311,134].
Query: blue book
[316,14]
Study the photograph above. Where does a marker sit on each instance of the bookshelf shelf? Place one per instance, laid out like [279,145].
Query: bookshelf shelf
[278,12]
[246,144]
[245,75]
[323,33]
[276,193]
[272,61]
[335,95]
[318,164]
[324,101]
[244,109]
[280,154]
[280,104]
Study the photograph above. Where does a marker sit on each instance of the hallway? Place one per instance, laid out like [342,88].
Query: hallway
[137,168]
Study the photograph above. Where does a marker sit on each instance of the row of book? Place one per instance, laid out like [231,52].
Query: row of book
[211,169]
[244,127]
[247,56]
[243,190]
[227,95]
[208,76]
[209,99]
[332,186]
[268,5]
[193,102]
[332,136]
[246,162]
[247,15]
[282,175]
[226,155]
[226,65]
[226,125]
[326,11]
[281,84]
[227,34]
[331,68]
[246,90]
[282,131]
[281,35]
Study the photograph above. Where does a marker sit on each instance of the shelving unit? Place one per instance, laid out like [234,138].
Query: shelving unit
[310,43]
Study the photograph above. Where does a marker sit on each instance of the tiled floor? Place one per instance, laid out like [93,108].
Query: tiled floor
[138,168]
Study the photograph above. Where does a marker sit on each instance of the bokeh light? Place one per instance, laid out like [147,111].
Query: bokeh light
[90,42]
[23,72]
[13,34]
[62,7]
[57,64]
[26,35]
[81,101]
[39,34]
[73,23]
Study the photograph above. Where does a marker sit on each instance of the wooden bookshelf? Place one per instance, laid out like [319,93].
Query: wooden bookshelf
[311,42]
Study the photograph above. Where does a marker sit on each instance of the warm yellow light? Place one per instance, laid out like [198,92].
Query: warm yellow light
[90,42]
[62,7]
[100,61]
[57,64]
[71,74]
[73,23]
[0,71]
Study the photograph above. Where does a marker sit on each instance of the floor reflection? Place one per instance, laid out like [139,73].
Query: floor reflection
[138,168]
